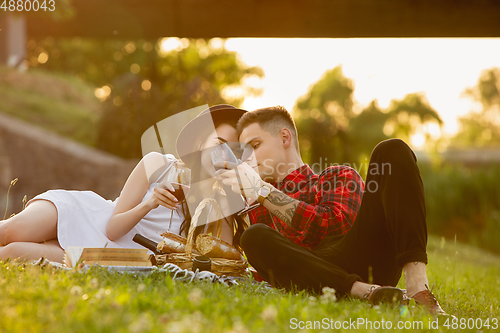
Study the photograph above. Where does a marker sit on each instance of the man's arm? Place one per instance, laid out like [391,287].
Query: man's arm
[334,207]
[330,212]
[333,210]
[281,205]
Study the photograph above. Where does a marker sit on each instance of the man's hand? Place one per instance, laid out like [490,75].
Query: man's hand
[242,179]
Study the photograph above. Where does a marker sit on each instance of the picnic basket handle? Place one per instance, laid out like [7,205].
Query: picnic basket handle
[194,221]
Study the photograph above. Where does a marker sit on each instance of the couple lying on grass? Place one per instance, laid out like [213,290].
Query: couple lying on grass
[310,231]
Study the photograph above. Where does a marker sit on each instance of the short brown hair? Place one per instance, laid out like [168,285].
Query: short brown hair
[272,120]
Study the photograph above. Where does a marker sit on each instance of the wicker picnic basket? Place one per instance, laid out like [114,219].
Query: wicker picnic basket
[226,259]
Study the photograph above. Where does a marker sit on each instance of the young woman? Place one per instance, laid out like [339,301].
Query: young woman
[59,218]
[196,154]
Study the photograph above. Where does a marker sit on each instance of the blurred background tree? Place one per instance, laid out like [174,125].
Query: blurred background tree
[481,127]
[322,118]
[330,132]
[141,82]
[368,130]
[406,115]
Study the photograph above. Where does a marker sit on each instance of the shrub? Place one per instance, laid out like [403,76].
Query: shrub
[464,202]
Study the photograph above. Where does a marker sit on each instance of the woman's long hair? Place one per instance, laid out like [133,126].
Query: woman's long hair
[240,225]
[194,163]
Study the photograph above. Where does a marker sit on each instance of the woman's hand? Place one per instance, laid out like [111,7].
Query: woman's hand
[162,195]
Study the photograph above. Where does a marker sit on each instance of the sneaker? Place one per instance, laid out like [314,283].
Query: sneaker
[377,295]
[427,299]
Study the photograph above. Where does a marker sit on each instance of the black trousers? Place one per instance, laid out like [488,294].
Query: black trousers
[389,231]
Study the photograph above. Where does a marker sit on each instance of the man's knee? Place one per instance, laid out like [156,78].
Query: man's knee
[392,148]
[391,145]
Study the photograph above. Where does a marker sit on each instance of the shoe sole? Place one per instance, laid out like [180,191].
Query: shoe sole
[390,295]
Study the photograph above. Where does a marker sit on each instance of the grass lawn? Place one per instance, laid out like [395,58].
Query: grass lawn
[33,299]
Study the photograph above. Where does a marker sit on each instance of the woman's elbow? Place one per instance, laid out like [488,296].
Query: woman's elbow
[111,234]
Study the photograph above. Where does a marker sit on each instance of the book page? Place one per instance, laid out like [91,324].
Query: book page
[73,254]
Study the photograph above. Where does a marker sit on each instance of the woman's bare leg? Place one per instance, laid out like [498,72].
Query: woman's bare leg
[26,251]
[36,224]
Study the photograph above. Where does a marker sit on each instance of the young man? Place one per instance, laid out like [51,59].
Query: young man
[286,243]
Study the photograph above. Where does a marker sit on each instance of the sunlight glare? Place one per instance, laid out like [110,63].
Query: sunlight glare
[170,44]
[381,68]
[418,140]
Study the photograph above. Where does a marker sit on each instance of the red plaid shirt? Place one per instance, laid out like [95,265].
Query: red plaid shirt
[329,203]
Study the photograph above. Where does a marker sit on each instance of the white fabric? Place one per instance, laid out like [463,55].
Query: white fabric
[84,215]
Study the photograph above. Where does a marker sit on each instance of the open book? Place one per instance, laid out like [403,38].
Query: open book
[105,256]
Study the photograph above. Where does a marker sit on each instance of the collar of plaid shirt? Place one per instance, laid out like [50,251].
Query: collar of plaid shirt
[289,184]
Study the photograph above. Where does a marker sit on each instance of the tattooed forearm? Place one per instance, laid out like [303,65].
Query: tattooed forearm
[284,206]
[291,211]
[282,217]
[280,199]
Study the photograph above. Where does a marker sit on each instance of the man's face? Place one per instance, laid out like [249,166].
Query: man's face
[268,150]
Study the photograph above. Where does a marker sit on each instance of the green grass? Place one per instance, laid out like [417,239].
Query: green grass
[42,300]
[58,103]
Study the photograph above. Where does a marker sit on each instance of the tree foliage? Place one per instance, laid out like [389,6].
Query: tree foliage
[368,129]
[330,132]
[323,116]
[404,116]
[481,127]
[140,83]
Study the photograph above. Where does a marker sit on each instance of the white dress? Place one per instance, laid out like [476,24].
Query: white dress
[82,217]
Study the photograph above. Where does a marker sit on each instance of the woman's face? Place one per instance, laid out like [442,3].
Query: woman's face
[223,133]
